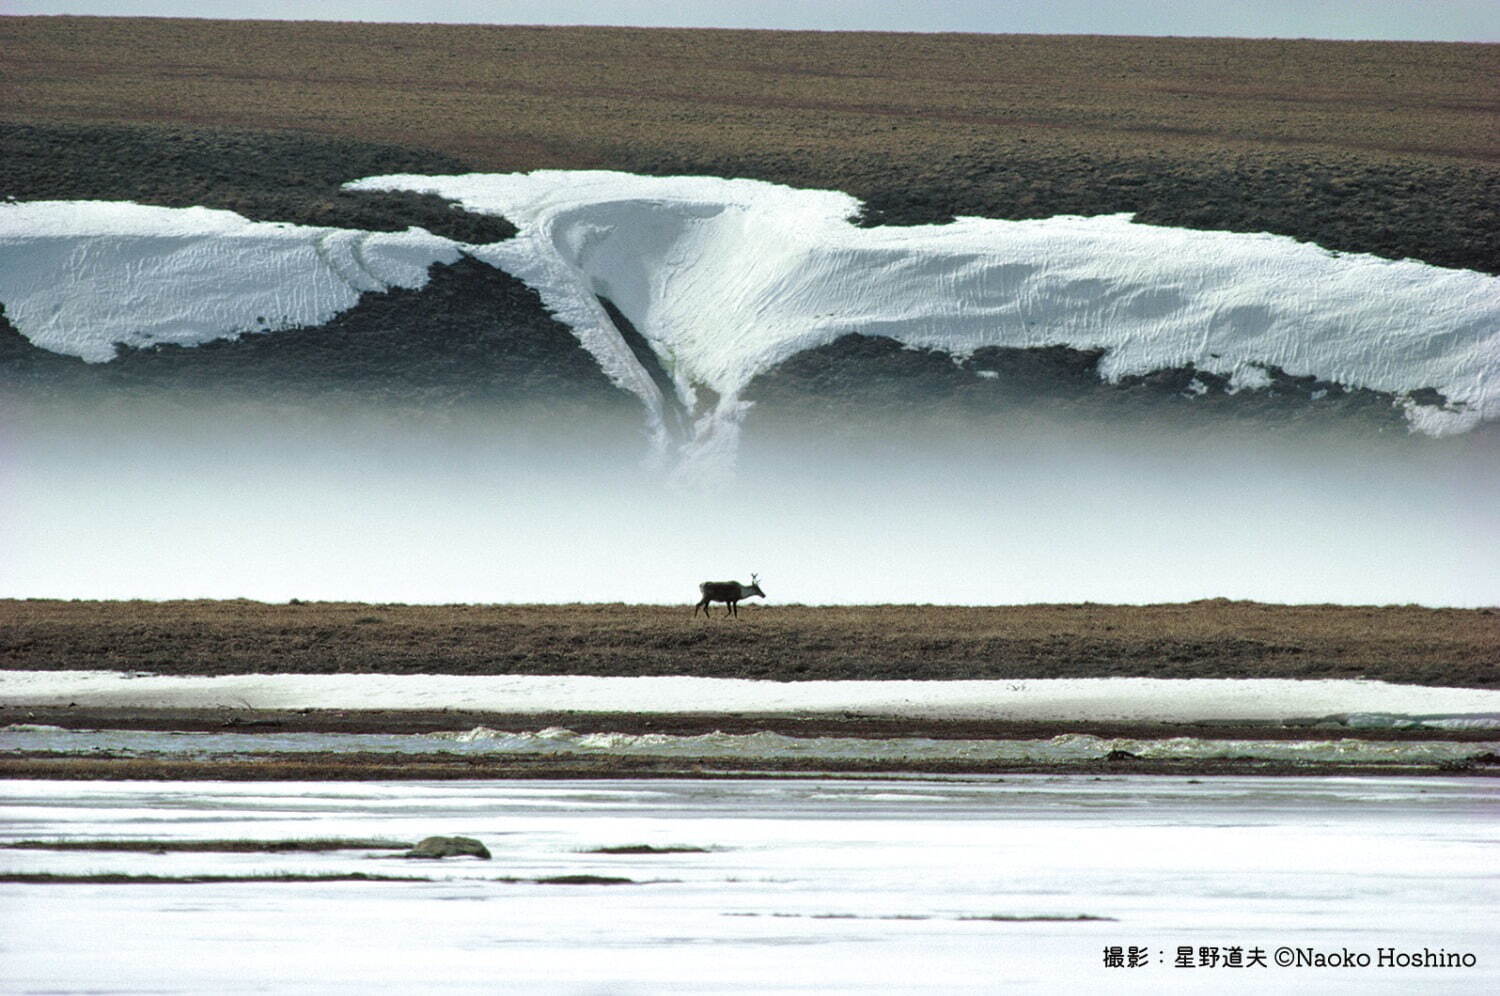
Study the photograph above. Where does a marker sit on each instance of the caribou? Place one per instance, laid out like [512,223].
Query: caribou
[728,592]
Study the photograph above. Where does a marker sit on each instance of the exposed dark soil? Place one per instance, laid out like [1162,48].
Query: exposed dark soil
[263,175]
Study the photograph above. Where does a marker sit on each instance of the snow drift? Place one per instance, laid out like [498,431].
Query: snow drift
[727,278]
[724,279]
[77,277]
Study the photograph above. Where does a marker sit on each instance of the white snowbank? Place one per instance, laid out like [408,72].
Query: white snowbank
[76,277]
[1099,699]
[726,278]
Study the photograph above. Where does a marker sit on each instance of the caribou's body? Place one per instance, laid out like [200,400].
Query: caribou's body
[728,592]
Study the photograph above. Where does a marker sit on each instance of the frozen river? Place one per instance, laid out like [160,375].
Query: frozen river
[900,885]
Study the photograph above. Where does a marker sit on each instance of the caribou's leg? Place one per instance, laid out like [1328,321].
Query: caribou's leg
[701,605]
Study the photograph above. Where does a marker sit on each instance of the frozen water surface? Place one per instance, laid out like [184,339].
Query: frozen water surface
[803,885]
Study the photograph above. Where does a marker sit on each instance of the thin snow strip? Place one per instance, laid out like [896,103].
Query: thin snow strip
[1098,699]
[726,278]
[77,277]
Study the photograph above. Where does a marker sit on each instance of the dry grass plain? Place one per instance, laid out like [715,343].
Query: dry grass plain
[1210,639]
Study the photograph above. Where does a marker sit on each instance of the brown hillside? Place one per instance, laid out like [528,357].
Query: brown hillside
[521,97]
[1384,147]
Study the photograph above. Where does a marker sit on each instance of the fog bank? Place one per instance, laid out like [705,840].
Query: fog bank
[146,500]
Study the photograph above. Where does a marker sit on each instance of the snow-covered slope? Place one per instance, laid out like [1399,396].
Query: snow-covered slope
[726,278]
[76,277]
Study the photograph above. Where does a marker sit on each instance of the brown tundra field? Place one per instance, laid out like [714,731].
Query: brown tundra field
[1390,148]
[1207,639]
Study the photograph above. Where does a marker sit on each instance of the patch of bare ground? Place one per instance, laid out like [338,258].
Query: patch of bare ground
[1379,147]
[1207,639]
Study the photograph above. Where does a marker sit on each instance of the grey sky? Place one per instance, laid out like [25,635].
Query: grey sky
[1427,20]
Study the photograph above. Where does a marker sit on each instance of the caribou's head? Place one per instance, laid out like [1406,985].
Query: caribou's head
[755,586]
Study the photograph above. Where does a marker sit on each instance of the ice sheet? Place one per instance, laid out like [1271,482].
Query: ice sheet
[810,886]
